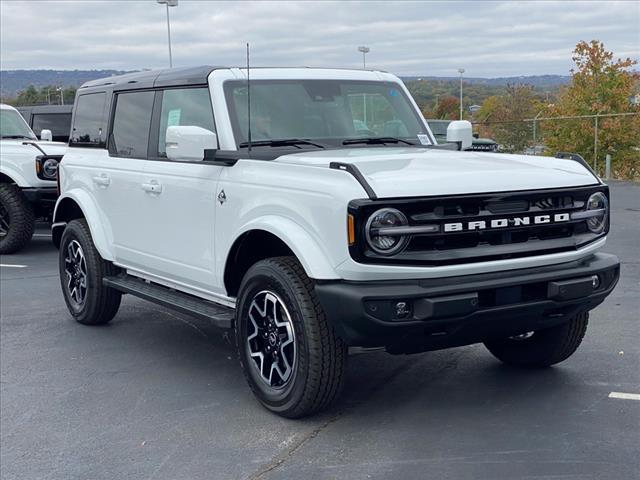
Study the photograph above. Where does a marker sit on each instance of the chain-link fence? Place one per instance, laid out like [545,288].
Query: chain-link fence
[609,142]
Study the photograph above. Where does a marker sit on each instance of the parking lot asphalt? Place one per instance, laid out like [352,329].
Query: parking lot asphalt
[159,395]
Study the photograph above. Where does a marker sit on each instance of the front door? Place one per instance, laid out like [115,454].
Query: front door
[177,211]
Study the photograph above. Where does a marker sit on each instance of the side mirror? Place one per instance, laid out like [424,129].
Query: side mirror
[46,135]
[188,142]
[460,131]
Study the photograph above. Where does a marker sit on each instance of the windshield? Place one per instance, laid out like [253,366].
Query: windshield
[326,111]
[438,127]
[12,125]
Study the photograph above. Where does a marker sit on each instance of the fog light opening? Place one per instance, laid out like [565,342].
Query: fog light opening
[595,281]
[402,309]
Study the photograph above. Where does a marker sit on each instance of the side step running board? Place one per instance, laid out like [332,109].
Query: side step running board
[220,315]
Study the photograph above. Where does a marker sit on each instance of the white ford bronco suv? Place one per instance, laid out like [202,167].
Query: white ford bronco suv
[312,212]
[27,179]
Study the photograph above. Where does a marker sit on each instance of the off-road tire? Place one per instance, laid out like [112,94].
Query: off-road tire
[21,219]
[319,369]
[545,347]
[101,303]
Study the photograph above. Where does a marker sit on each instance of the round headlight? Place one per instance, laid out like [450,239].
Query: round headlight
[598,203]
[386,244]
[50,167]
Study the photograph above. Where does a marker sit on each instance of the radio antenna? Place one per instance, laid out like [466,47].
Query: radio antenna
[248,105]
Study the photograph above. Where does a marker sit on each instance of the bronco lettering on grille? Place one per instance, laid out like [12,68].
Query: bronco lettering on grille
[506,222]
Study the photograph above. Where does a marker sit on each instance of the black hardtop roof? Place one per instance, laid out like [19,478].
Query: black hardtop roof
[153,78]
[159,78]
[38,109]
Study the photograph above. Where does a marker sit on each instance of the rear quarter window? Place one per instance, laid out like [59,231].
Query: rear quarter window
[89,125]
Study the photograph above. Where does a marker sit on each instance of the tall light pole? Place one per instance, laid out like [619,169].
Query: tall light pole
[169,3]
[461,71]
[60,89]
[364,51]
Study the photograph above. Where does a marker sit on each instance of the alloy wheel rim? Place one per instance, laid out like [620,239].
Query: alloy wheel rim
[522,336]
[5,221]
[75,268]
[271,339]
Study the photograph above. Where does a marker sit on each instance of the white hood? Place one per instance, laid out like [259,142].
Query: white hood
[412,172]
[24,146]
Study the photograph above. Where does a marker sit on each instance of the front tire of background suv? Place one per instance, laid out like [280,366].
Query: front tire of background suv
[17,219]
[544,347]
[291,357]
[81,271]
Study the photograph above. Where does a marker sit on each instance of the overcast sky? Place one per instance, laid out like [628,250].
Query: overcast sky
[488,39]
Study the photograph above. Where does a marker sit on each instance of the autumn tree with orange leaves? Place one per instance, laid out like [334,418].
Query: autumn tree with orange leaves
[599,85]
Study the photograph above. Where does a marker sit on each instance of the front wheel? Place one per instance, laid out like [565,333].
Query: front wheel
[17,220]
[544,347]
[291,357]
[81,271]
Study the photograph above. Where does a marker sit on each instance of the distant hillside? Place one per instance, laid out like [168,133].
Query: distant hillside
[13,81]
[538,81]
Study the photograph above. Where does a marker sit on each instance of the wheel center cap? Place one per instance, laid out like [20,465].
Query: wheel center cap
[273,338]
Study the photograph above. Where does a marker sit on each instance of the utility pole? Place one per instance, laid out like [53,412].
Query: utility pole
[535,136]
[461,71]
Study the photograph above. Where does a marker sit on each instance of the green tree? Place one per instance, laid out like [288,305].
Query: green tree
[599,85]
[448,108]
[501,117]
[49,94]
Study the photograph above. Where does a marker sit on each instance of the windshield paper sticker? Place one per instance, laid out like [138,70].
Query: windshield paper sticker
[174,118]
[424,139]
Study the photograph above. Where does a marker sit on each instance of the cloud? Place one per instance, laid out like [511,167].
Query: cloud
[422,38]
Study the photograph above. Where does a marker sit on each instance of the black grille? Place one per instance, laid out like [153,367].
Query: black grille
[467,246]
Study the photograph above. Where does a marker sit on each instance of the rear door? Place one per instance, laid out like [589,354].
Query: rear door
[119,181]
[177,211]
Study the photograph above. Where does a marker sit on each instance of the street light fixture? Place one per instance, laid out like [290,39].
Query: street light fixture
[364,51]
[461,71]
[169,3]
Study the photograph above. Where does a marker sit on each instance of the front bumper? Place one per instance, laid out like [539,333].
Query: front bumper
[41,194]
[455,311]
[43,199]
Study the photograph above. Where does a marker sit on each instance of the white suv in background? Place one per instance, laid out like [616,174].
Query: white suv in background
[312,210]
[27,178]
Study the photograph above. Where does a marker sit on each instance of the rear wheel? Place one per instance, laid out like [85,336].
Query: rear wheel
[81,271]
[544,347]
[17,220]
[290,355]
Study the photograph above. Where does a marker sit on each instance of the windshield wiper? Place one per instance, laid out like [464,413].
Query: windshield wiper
[18,136]
[375,141]
[282,142]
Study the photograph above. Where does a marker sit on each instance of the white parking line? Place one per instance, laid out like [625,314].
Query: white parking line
[625,396]
[41,234]
[12,266]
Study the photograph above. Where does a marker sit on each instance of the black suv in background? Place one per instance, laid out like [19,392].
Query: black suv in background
[56,118]
[439,130]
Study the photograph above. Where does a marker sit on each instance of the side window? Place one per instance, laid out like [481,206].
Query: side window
[88,124]
[131,124]
[58,123]
[184,106]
